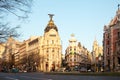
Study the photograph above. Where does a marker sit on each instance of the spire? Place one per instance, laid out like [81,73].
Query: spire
[95,41]
[50,24]
[118,6]
[118,11]
[73,39]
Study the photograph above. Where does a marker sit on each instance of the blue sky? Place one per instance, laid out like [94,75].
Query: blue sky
[84,18]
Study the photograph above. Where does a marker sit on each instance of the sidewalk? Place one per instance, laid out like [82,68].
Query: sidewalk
[85,73]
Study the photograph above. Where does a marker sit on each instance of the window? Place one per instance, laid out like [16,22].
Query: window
[108,51]
[47,41]
[119,43]
[74,49]
[53,55]
[52,50]
[47,50]
[70,49]
[52,41]
[74,59]
[47,55]
[56,41]
[118,34]
[75,56]
[118,60]
[107,42]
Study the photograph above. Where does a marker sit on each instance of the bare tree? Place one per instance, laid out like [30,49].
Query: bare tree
[6,31]
[18,8]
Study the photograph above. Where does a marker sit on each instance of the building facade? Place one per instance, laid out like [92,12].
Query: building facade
[72,54]
[2,49]
[51,47]
[10,53]
[76,54]
[111,44]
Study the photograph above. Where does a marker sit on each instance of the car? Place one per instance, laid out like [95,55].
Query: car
[15,70]
[83,69]
[61,70]
[76,68]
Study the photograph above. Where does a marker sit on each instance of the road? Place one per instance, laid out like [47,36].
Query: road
[42,76]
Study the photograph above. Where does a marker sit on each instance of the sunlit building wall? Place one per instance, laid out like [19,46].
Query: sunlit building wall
[97,56]
[51,47]
[2,49]
[72,54]
[76,54]
[9,55]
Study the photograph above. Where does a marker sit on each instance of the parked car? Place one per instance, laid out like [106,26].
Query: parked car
[76,68]
[67,69]
[83,69]
[15,70]
[90,70]
[61,70]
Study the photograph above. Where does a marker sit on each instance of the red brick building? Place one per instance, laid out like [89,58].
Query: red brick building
[111,44]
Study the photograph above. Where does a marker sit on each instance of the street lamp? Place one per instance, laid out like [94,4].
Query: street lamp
[35,64]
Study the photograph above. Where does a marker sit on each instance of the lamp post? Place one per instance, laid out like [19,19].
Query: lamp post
[35,64]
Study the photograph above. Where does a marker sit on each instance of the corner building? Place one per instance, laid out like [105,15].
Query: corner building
[77,55]
[72,55]
[51,47]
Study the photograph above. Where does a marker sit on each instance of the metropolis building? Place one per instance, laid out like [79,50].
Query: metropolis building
[51,47]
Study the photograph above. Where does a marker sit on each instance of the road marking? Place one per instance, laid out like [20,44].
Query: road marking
[36,78]
[11,78]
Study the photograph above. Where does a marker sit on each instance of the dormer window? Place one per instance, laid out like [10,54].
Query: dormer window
[52,33]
